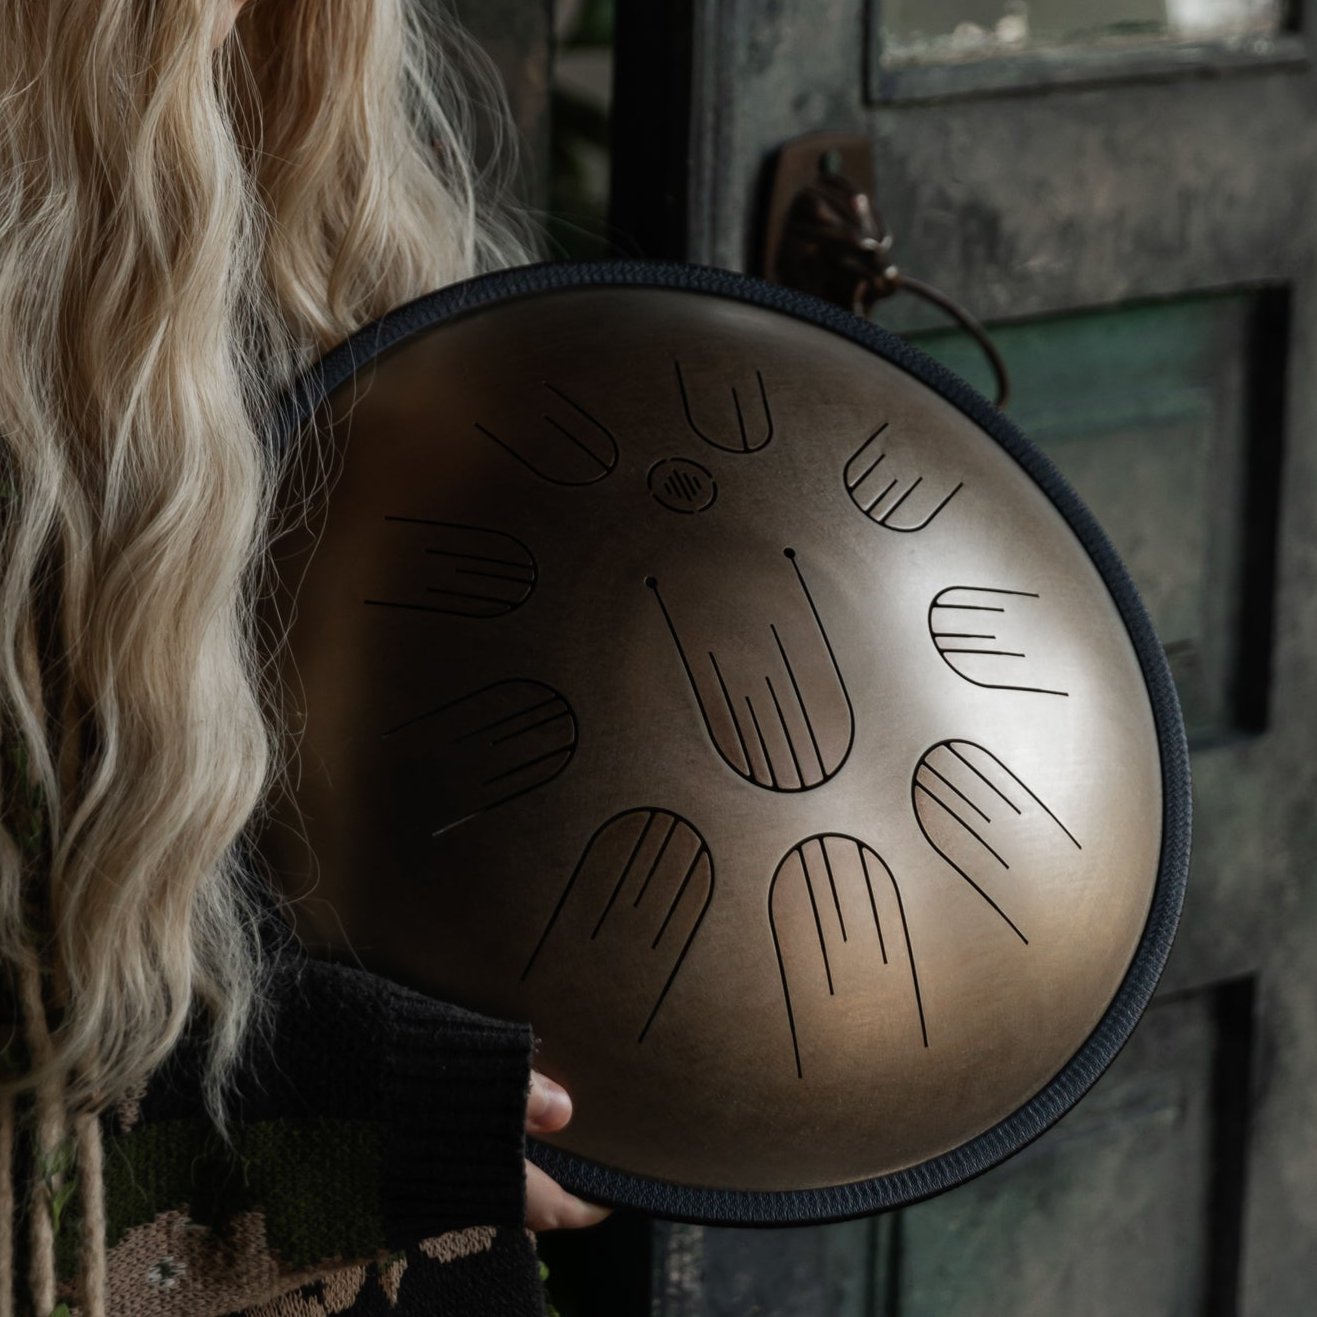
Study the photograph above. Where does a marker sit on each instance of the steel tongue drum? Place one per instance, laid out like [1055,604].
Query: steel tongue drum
[704,675]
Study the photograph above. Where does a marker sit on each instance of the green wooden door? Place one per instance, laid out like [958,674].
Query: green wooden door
[1123,190]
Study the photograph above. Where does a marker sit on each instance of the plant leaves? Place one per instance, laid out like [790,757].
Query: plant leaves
[59,1201]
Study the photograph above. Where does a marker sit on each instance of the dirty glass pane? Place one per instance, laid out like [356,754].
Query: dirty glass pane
[942,31]
[580,102]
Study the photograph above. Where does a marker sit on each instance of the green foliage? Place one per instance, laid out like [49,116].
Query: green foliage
[594,27]
[59,1188]
[544,1280]
[59,1200]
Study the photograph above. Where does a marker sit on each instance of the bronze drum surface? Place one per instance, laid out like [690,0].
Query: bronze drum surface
[706,689]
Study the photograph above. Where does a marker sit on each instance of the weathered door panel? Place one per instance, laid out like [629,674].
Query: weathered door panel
[1139,228]
[1168,417]
[1112,1212]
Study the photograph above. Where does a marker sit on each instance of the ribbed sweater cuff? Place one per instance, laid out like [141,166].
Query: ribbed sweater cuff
[453,1104]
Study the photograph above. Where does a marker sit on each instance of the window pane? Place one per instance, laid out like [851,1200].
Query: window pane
[938,31]
[580,100]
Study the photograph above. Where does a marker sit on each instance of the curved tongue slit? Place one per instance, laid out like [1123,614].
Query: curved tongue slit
[487,747]
[763,671]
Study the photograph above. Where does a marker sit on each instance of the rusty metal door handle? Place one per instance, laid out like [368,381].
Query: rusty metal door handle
[825,236]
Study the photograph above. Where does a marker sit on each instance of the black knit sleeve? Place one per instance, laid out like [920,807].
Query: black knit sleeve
[437,1094]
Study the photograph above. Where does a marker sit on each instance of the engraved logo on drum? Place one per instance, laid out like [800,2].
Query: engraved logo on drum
[681,485]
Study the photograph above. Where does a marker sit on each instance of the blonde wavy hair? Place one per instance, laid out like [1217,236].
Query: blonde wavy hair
[181,229]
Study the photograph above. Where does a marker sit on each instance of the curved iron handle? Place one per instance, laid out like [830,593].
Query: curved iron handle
[835,245]
[965,320]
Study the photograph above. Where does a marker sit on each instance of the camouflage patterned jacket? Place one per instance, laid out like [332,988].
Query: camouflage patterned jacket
[374,1166]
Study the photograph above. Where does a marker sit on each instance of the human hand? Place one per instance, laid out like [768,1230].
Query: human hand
[548,1205]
